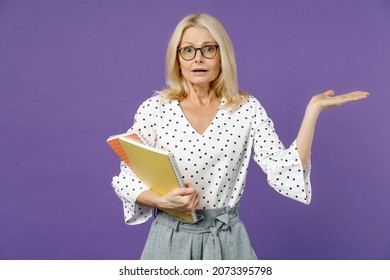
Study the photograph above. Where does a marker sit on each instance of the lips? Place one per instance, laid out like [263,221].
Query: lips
[199,70]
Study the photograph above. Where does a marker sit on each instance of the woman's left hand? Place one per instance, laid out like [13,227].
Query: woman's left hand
[317,104]
[326,100]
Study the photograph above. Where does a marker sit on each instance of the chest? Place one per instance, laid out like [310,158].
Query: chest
[210,133]
[199,118]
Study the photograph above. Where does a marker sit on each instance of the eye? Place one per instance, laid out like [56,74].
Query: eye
[187,49]
[209,49]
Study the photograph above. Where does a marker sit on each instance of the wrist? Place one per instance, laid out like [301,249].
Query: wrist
[313,109]
[161,202]
[149,198]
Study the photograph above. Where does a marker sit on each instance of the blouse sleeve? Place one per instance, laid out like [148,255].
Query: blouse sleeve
[283,167]
[126,184]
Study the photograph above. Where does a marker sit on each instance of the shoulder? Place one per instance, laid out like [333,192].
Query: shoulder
[249,103]
[254,101]
[253,109]
[156,105]
[252,104]
[151,104]
[153,101]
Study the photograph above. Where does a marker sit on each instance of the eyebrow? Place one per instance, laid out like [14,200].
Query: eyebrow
[203,43]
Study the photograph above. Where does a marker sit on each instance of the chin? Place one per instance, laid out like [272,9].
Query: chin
[201,82]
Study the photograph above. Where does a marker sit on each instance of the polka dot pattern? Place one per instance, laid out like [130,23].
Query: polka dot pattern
[215,162]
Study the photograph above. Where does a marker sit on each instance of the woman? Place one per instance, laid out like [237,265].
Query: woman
[213,129]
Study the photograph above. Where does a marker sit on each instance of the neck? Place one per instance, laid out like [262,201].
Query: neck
[202,94]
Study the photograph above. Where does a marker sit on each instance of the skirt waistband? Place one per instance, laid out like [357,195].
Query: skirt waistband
[212,220]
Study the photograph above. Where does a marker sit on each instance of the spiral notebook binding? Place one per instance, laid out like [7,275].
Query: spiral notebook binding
[177,170]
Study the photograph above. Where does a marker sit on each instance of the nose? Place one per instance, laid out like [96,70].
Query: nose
[198,56]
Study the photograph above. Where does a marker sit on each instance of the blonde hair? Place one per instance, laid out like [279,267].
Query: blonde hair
[225,85]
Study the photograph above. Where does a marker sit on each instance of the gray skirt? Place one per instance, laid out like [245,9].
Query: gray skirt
[220,235]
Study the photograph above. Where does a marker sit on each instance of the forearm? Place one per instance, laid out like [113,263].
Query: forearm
[149,198]
[182,199]
[306,133]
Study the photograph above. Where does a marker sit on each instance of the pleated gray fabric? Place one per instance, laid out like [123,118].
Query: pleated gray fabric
[220,235]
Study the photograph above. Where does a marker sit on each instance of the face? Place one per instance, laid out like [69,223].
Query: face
[199,71]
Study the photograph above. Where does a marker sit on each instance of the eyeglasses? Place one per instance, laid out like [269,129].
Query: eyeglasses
[189,53]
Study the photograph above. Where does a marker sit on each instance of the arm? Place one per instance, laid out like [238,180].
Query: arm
[285,173]
[183,199]
[318,104]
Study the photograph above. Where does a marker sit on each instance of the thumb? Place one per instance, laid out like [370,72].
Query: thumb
[329,93]
[189,186]
[184,191]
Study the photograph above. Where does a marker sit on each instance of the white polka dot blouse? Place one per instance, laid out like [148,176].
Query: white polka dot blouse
[215,162]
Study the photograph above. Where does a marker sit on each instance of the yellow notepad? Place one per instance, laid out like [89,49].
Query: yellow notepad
[156,168]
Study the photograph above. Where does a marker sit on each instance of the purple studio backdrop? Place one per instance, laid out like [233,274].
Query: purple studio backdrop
[74,72]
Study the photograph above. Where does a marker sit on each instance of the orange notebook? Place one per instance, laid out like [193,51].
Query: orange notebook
[113,142]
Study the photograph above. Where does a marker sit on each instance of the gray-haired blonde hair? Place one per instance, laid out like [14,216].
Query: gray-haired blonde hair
[225,85]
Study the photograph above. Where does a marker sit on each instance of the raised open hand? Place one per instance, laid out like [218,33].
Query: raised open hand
[317,104]
[326,100]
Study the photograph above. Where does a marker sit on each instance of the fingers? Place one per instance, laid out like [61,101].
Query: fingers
[352,96]
[328,99]
[183,199]
[196,204]
[359,94]
[193,198]
[188,190]
[190,203]
[189,186]
[183,191]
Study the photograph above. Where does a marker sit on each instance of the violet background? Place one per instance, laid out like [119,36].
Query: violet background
[74,72]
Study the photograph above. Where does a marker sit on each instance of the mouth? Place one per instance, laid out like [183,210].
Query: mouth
[199,70]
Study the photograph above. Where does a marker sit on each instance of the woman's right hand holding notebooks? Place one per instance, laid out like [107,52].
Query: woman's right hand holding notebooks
[180,199]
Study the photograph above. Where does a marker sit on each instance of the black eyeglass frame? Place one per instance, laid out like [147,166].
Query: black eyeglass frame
[201,51]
